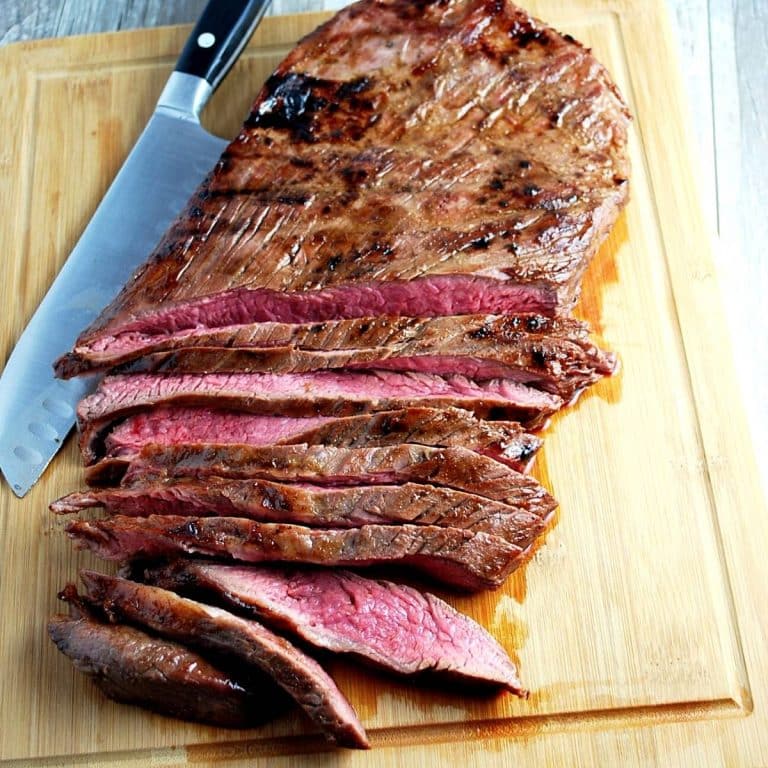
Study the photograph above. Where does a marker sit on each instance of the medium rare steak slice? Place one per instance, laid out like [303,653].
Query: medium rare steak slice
[505,441]
[550,354]
[309,394]
[214,630]
[454,468]
[459,558]
[132,667]
[391,625]
[406,158]
[315,506]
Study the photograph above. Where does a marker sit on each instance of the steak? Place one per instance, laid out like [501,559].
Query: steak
[323,393]
[504,441]
[394,626]
[134,668]
[316,506]
[215,630]
[459,558]
[454,468]
[550,354]
[405,159]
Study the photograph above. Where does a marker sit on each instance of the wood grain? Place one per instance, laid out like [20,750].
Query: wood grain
[638,625]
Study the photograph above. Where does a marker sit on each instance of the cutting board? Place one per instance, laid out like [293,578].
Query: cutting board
[639,624]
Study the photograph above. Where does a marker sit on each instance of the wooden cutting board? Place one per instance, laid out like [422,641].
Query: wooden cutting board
[639,626]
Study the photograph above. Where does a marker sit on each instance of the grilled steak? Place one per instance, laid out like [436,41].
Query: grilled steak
[550,354]
[454,468]
[406,158]
[503,441]
[132,667]
[460,558]
[212,629]
[316,506]
[391,625]
[309,394]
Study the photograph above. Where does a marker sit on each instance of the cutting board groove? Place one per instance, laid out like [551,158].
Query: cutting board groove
[643,609]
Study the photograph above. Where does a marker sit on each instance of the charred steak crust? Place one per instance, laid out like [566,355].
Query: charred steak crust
[342,612]
[212,629]
[364,126]
[456,557]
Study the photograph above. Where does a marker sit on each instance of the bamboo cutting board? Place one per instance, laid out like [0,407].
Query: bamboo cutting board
[638,626]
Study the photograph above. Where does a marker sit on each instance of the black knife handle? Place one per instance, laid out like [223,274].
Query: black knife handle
[219,36]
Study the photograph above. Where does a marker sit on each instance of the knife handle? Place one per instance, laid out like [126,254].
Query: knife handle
[218,38]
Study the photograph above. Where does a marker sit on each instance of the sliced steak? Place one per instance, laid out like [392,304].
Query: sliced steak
[316,506]
[212,629]
[404,159]
[132,667]
[505,441]
[459,558]
[454,468]
[550,354]
[391,625]
[309,394]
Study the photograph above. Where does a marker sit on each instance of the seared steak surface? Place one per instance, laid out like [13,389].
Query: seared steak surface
[391,625]
[400,142]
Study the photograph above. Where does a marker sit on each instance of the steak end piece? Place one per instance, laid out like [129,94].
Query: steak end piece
[135,668]
[390,625]
[215,630]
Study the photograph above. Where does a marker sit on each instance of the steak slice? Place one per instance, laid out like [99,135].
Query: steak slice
[454,468]
[322,393]
[505,441]
[459,558]
[406,158]
[315,506]
[547,353]
[215,630]
[134,668]
[391,625]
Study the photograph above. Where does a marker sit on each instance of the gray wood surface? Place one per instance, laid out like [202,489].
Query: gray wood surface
[723,48]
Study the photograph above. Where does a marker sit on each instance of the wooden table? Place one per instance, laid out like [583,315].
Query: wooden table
[723,50]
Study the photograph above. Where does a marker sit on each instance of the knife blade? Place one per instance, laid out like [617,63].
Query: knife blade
[167,163]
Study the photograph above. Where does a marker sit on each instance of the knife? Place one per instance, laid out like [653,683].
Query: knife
[168,162]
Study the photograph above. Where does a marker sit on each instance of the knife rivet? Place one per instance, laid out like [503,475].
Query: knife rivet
[206,40]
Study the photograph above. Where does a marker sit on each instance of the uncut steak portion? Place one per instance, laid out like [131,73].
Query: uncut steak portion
[315,506]
[505,441]
[404,159]
[455,468]
[135,668]
[552,354]
[310,394]
[253,645]
[459,558]
[391,625]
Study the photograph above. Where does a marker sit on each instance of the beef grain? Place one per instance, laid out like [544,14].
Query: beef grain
[391,625]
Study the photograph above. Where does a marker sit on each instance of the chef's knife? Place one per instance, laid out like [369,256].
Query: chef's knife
[169,160]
